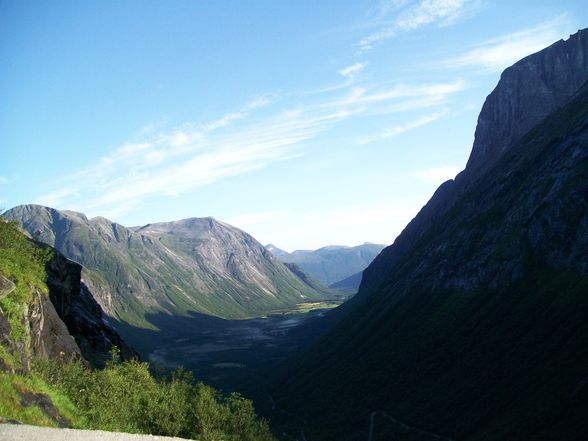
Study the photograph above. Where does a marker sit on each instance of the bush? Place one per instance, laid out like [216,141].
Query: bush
[126,397]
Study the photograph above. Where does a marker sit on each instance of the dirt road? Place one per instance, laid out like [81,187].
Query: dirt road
[18,432]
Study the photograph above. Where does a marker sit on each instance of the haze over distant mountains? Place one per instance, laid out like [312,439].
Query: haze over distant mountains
[199,264]
[473,324]
[332,264]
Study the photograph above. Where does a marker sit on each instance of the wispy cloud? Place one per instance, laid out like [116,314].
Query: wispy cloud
[185,158]
[55,198]
[411,15]
[171,162]
[402,128]
[397,97]
[353,70]
[499,53]
[437,175]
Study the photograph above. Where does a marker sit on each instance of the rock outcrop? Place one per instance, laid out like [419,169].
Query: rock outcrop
[80,313]
[49,336]
[46,311]
[527,92]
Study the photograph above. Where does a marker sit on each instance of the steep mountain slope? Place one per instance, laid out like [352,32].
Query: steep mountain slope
[76,307]
[350,283]
[333,263]
[472,325]
[200,265]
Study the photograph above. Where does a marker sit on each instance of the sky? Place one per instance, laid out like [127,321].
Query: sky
[303,123]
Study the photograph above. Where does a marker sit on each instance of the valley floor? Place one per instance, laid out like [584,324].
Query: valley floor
[230,355]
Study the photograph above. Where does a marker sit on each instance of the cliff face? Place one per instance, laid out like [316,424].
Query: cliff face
[84,320]
[49,336]
[46,334]
[472,324]
[527,92]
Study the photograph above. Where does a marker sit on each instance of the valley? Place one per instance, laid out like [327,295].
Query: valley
[229,354]
[461,316]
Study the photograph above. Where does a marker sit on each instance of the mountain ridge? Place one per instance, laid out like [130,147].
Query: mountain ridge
[470,325]
[195,264]
[491,118]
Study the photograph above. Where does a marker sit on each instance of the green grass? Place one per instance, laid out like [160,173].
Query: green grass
[22,262]
[11,406]
[312,306]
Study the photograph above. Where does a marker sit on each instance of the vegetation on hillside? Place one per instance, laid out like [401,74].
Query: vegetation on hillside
[124,396]
[23,263]
[176,406]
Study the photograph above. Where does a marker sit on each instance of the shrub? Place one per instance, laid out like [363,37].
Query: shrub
[126,397]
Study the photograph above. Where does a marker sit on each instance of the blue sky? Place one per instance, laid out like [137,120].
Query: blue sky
[304,123]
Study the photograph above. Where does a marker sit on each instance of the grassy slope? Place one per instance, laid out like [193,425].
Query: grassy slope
[23,263]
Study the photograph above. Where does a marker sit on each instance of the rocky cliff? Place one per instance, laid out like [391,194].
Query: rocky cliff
[76,307]
[527,92]
[472,325]
[48,313]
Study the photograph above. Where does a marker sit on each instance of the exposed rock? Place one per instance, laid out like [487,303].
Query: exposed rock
[6,286]
[527,92]
[44,403]
[81,313]
[49,337]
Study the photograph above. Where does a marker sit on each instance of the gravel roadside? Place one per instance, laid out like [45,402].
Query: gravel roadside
[21,432]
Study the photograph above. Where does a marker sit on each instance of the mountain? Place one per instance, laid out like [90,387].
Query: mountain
[278,252]
[473,324]
[172,268]
[58,366]
[332,263]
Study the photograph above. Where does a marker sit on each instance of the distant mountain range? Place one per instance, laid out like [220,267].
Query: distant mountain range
[194,265]
[473,325]
[333,264]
